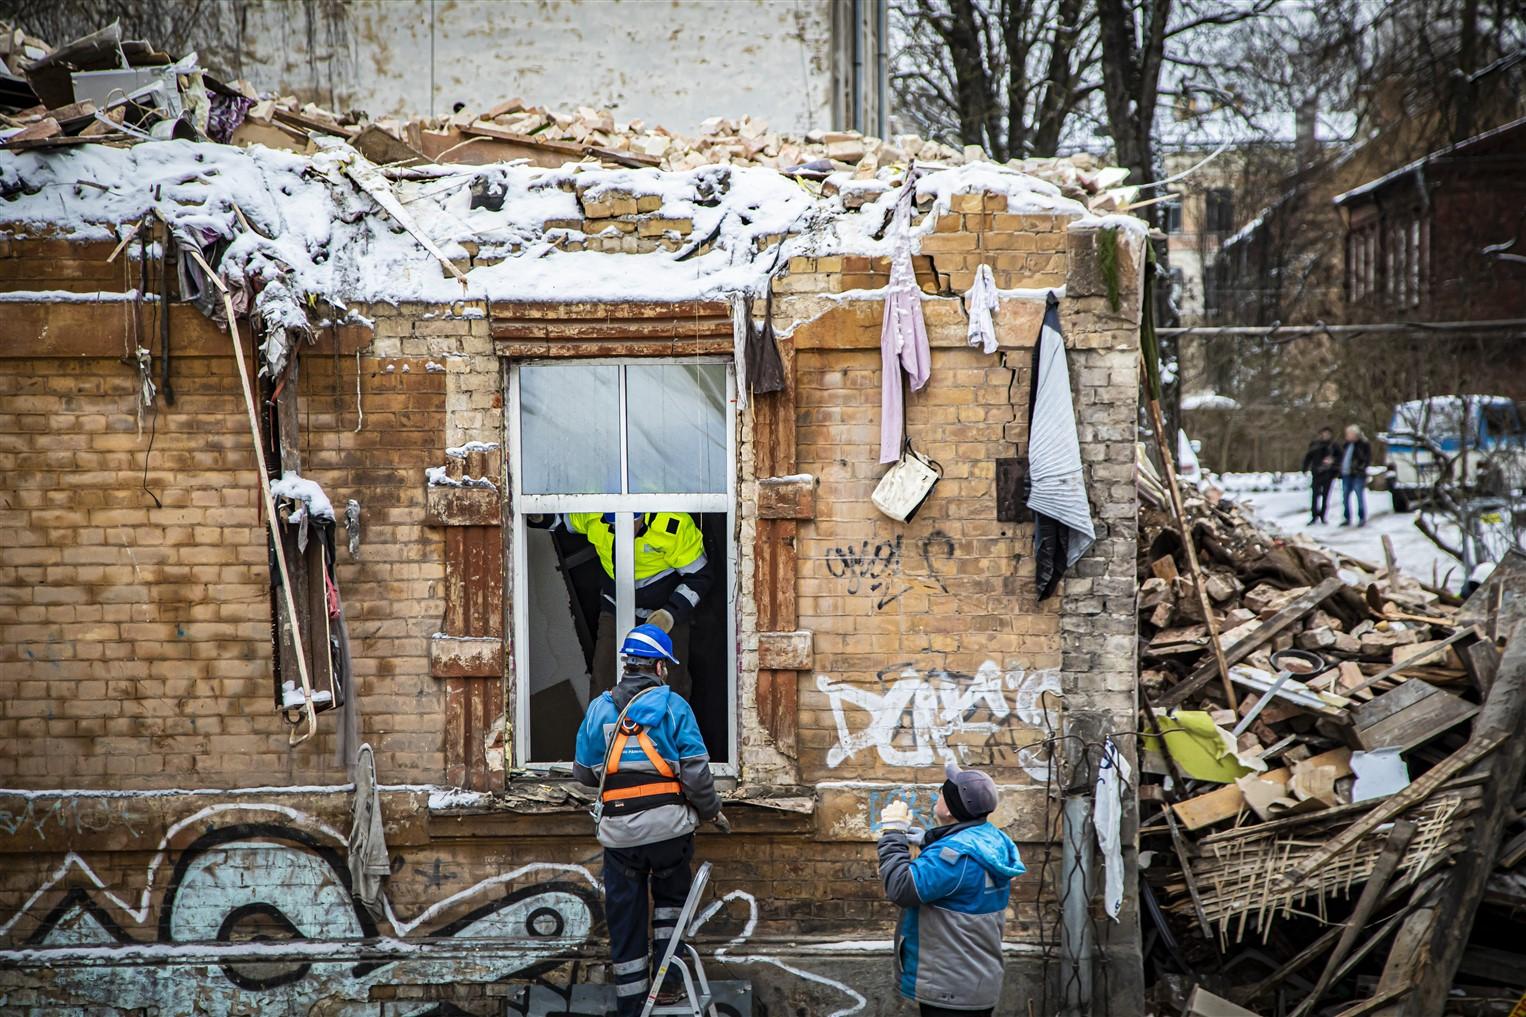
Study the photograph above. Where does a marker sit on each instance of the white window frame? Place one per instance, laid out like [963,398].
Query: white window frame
[626,506]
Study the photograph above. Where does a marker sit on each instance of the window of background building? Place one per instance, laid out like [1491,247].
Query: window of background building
[631,439]
[1218,210]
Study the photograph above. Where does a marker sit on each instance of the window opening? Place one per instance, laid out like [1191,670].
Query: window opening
[623,501]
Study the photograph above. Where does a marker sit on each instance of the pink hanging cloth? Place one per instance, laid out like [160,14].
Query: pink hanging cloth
[903,333]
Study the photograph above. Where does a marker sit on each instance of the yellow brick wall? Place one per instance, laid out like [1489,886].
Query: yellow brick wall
[135,638]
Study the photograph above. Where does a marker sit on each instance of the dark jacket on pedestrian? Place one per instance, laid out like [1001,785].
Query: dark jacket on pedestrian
[1361,458]
[948,945]
[1323,458]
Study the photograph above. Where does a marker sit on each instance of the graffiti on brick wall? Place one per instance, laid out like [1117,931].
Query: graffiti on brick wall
[77,815]
[946,716]
[264,902]
[583,999]
[255,914]
[875,567]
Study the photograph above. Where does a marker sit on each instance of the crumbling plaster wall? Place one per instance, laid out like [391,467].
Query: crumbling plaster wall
[672,64]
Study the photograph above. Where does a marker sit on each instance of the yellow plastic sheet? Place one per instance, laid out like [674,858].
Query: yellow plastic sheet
[1202,750]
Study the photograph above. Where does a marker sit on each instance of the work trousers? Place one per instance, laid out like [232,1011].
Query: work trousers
[604,657]
[628,872]
[1355,483]
[928,1010]
[1319,504]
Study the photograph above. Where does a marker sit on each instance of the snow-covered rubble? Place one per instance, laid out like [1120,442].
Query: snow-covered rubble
[320,239]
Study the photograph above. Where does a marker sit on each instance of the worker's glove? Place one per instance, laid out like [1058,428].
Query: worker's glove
[895,818]
[662,618]
[916,835]
[721,822]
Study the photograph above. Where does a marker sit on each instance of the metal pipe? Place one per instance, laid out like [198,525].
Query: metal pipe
[1396,327]
[882,71]
[855,90]
[1077,946]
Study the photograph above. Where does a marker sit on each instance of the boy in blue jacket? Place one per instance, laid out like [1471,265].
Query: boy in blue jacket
[948,945]
[639,744]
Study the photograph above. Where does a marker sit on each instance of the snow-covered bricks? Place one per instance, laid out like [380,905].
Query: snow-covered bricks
[518,233]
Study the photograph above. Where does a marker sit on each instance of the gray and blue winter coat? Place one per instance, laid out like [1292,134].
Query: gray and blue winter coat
[948,945]
[659,785]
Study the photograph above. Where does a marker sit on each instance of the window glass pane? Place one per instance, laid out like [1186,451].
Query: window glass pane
[569,429]
[676,422]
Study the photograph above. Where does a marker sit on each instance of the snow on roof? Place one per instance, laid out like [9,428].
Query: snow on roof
[1206,400]
[1210,129]
[1460,147]
[324,237]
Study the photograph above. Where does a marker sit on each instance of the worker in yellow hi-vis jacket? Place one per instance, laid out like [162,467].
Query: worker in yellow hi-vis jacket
[672,576]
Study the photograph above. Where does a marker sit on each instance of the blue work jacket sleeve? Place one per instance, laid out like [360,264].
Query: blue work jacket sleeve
[693,761]
[588,757]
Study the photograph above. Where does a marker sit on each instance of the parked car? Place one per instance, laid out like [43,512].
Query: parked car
[1473,443]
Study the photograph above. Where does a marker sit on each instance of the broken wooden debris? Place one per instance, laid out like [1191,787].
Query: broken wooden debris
[1399,671]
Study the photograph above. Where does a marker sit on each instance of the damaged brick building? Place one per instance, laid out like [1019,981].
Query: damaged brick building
[569,339]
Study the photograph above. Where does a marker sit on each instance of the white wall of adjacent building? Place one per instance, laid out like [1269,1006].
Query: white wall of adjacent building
[669,62]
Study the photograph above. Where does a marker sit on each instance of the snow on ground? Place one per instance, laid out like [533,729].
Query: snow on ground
[1281,500]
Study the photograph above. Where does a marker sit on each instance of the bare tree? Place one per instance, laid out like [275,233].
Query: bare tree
[1007,75]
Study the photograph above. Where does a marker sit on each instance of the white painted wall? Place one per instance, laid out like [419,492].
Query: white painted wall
[668,62]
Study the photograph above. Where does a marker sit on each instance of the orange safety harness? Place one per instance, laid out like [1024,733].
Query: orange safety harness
[626,791]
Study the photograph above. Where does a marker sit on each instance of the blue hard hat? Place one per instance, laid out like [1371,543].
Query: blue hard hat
[648,641]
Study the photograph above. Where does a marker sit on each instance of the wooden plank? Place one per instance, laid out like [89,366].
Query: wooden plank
[786,651]
[462,506]
[787,497]
[1433,948]
[1377,884]
[774,550]
[455,721]
[465,657]
[1436,648]
[1367,1006]
[778,706]
[1226,802]
[1396,804]
[1263,634]
[1513,851]
[1179,845]
[1410,715]
[704,346]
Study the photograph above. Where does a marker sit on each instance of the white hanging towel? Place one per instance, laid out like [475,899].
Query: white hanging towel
[1113,774]
[980,304]
[1063,530]
[740,310]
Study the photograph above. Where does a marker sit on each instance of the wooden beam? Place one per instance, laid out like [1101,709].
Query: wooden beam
[1367,1006]
[1431,944]
[1189,544]
[1264,633]
[1393,805]
[1389,672]
[1372,893]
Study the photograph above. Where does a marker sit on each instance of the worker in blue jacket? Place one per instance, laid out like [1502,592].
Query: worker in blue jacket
[640,746]
[948,945]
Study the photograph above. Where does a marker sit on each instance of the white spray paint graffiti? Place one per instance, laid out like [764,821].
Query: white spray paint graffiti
[911,721]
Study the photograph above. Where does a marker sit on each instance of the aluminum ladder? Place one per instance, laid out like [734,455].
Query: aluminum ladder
[698,1000]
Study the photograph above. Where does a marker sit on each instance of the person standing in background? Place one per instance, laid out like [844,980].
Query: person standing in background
[1321,463]
[1356,456]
